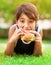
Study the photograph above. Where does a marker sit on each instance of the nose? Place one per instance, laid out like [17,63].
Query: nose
[26,25]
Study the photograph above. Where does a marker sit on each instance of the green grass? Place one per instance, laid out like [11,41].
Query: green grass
[25,60]
[47,41]
[45,59]
[3,40]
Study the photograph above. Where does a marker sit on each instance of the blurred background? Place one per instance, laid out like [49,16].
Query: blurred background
[7,18]
[7,11]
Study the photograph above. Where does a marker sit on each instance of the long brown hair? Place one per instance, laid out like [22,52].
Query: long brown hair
[29,9]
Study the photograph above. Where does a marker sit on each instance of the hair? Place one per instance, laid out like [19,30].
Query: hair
[29,9]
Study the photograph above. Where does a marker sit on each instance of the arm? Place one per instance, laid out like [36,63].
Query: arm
[12,39]
[38,44]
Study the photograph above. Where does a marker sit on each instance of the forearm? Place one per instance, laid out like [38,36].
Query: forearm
[38,48]
[10,46]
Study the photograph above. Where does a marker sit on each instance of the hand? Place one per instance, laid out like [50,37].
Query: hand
[18,33]
[38,37]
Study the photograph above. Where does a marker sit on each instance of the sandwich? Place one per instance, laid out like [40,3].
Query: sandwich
[28,37]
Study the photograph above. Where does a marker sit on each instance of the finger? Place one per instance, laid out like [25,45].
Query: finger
[18,31]
[25,31]
[38,38]
[21,33]
[35,33]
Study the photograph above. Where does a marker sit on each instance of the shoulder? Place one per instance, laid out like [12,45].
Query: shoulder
[11,30]
[13,27]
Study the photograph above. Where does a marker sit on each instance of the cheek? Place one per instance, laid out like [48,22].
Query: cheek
[19,25]
[32,26]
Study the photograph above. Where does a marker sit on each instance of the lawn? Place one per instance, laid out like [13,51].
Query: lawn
[45,59]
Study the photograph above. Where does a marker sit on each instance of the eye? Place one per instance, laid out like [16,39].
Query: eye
[31,21]
[22,21]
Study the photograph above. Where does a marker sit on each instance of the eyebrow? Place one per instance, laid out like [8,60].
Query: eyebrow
[29,18]
[21,18]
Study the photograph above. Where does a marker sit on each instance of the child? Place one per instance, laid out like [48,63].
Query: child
[26,21]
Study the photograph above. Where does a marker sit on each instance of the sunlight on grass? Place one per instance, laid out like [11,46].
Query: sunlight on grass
[25,60]
[2,47]
[45,59]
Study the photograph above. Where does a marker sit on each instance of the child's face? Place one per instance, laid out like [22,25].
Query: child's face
[26,23]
